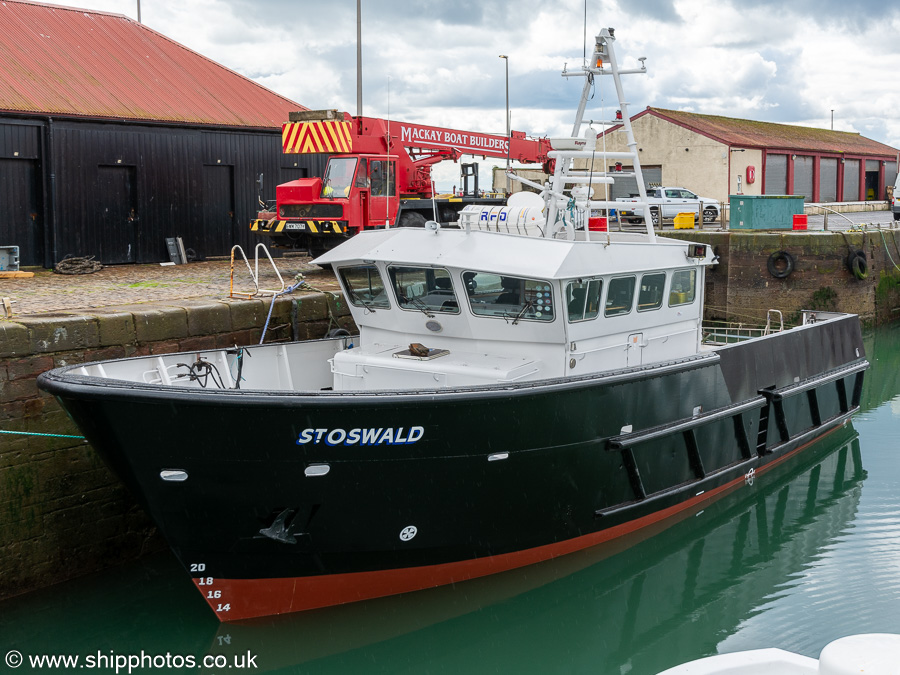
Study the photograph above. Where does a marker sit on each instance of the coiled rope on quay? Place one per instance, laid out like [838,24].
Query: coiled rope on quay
[77,265]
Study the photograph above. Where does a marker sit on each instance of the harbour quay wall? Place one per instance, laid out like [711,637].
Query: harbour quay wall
[741,286]
[62,512]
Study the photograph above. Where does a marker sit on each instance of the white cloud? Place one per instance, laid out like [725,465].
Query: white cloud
[746,59]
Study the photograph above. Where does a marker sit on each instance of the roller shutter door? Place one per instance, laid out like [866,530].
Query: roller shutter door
[890,173]
[803,177]
[851,180]
[828,181]
[625,187]
[776,175]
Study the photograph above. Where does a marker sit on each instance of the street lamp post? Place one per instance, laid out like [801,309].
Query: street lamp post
[508,134]
[359,110]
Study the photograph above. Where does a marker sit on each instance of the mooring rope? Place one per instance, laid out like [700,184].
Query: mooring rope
[887,248]
[74,265]
[35,433]
[302,284]
[306,286]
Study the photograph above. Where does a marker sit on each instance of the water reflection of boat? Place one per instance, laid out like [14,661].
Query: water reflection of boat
[639,607]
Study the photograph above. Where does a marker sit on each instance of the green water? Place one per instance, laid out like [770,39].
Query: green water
[809,553]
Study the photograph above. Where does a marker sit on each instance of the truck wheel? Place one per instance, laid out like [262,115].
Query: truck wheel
[412,219]
[709,215]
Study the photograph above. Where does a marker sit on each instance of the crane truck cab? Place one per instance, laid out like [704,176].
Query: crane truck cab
[357,192]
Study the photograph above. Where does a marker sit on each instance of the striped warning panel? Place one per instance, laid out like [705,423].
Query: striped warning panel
[313,226]
[309,137]
[267,225]
[320,226]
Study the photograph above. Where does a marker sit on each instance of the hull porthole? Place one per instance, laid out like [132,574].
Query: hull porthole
[780,264]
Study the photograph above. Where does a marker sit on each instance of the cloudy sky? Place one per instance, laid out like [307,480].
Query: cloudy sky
[436,61]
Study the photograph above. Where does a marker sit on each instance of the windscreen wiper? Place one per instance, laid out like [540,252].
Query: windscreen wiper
[365,303]
[528,305]
[419,305]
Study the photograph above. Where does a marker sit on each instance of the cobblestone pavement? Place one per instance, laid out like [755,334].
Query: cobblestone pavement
[118,285]
[129,284]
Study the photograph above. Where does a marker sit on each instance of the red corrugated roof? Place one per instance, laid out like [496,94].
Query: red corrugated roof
[752,134]
[63,61]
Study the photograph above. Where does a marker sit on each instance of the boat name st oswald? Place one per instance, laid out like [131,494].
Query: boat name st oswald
[389,436]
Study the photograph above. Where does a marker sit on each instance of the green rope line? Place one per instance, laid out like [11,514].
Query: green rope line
[888,249]
[304,285]
[34,433]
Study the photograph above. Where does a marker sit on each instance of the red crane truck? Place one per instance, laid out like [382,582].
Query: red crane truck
[378,175]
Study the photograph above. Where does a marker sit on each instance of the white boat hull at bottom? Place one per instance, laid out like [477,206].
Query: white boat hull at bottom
[870,653]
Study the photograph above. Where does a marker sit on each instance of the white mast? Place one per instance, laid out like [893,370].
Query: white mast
[603,54]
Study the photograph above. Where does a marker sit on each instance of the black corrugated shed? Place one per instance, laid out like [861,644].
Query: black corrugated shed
[116,191]
[85,183]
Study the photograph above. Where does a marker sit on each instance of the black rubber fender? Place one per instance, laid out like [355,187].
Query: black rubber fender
[859,253]
[860,266]
[780,264]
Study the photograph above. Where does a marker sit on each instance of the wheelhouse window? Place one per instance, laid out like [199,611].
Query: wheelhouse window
[684,287]
[338,177]
[619,296]
[509,297]
[650,295]
[423,289]
[364,286]
[583,299]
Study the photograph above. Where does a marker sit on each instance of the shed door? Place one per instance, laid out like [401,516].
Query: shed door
[890,173]
[828,182]
[21,221]
[292,173]
[625,187]
[851,180]
[776,175]
[871,179]
[117,194]
[218,212]
[803,177]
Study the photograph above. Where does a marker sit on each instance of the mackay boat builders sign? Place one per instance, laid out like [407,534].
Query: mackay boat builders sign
[332,136]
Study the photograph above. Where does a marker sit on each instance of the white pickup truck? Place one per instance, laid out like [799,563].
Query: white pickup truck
[670,201]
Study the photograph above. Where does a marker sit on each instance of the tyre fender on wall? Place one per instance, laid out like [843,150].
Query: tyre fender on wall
[780,264]
[859,265]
